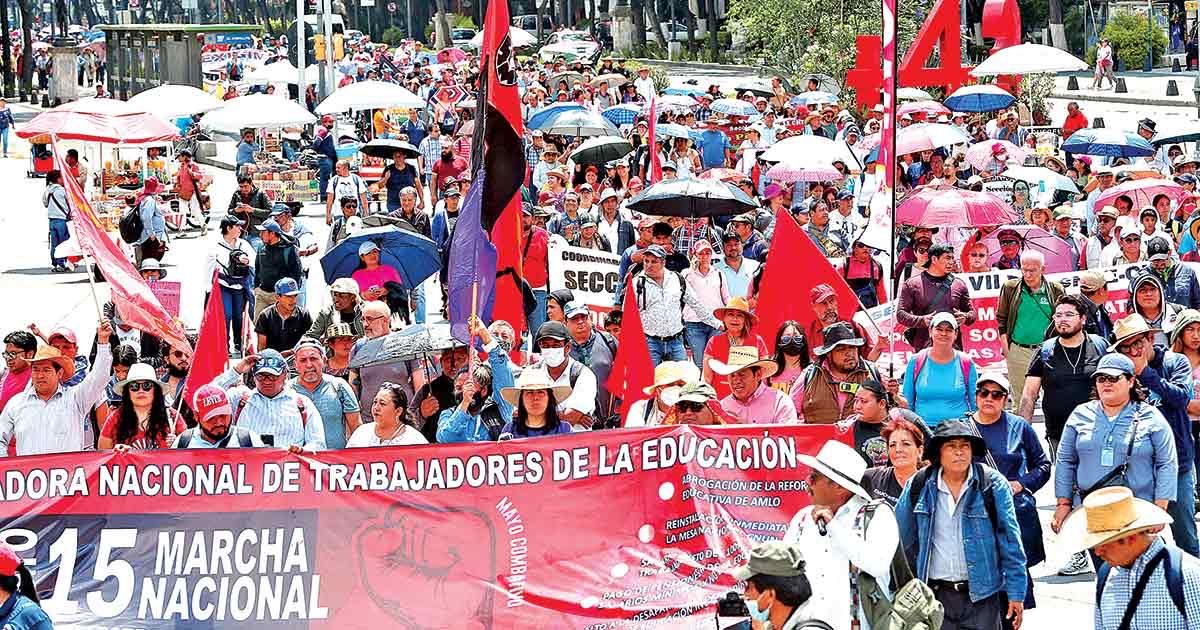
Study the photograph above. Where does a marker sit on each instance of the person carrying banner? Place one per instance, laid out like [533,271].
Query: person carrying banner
[332,396]
[669,377]
[777,590]
[1023,314]
[142,420]
[751,400]
[213,428]
[971,566]
[47,416]
[481,410]
[436,396]
[933,291]
[535,397]
[273,409]
[22,609]
[579,407]
[842,535]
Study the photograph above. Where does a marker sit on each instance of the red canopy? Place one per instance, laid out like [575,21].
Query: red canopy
[99,120]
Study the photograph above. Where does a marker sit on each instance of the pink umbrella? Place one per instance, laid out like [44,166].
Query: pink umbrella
[1142,192]
[1057,251]
[722,174]
[929,108]
[99,120]
[980,153]
[451,55]
[947,206]
[806,171]
[927,137]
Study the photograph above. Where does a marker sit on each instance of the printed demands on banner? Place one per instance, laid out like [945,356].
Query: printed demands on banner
[630,529]
[589,273]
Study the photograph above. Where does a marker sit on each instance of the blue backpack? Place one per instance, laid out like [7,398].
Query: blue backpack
[1047,349]
[1173,572]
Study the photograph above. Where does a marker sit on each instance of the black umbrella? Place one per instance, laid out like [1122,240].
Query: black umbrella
[692,198]
[601,150]
[412,342]
[384,148]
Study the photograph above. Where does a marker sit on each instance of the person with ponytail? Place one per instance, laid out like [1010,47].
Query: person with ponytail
[20,610]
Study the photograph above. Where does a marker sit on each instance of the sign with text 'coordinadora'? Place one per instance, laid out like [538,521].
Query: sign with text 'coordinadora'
[615,529]
[590,274]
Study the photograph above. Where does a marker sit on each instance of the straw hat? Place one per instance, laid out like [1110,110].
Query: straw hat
[737,304]
[670,372]
[50,353]
[533,379]
[1129,326]
[1108,514]
[840,463]
[740,358]
[138,372]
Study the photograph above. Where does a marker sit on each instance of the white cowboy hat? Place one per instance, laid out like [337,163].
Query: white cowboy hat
[1108,514]
[670,372]
[533,379]
[740,358]
[138,372]
[841,463]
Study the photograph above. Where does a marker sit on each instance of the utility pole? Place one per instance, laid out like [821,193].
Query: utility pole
[1149,65]
[301,45]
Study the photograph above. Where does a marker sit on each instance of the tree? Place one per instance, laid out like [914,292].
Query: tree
[1129,34]
[443,25]
[711,8]
[1058,35]
[655,23]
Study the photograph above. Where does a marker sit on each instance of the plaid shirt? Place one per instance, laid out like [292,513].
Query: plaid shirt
[533,153]
[431,150]
[1155,609]
[687,234]
[702,113]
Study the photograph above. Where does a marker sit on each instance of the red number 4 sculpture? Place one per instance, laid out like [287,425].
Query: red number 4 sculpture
[1001,21]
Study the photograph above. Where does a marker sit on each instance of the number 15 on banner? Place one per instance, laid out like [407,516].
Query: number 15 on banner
[63,553]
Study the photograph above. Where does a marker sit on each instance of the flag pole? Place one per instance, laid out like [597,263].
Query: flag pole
[92,281]
[892,72]
[474,316]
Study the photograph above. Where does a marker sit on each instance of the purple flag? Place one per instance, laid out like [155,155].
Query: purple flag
[472,264]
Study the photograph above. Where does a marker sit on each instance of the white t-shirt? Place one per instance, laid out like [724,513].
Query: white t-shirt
[349,186]
[364,435]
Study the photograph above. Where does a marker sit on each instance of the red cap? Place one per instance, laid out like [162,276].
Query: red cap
[65,333]
[8,561]
[209,401]
[820,293]
[327,118]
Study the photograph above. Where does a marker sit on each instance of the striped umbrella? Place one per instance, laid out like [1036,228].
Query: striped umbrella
[979,98]
[734,107]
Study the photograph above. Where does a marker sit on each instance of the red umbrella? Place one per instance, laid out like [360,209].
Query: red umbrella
[947,206]
[99,120]
[1142,192]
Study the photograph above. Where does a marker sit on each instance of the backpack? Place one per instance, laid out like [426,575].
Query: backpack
[131,225]
[989,501]
[964,361]
[641,289]
[913,605]
[243,439]
[1047,348]
[239,263]
[1173,574]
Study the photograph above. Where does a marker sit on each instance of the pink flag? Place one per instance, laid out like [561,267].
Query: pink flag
[132,296]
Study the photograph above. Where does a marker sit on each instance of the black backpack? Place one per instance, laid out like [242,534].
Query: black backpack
[131,225]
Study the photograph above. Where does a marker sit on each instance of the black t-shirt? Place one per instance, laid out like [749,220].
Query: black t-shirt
[1067,378]
[282,334]
[869,443]
[880,482]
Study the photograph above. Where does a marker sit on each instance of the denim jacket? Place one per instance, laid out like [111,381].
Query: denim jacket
[995,557]
[20,613]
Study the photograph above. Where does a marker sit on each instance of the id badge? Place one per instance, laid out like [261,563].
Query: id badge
[1106,456]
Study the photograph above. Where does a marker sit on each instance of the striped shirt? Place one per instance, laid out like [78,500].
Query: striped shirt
[55,425]
[279,416]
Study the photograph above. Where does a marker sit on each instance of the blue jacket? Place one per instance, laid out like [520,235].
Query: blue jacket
[456,425]
[1168,376]
[440,230]
[326,147]
[995,557]
[20,613]
[1182,288]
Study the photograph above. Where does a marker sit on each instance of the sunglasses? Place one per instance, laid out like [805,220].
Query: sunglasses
[140,386]
[1108,378]
[1007,243]
[687,405]
[1132,239]
[922,250]
[1106,219]
[788,340]
[979,255]
[994,394]
[8,356]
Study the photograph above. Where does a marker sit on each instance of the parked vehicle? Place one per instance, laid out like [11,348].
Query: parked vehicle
[572,45]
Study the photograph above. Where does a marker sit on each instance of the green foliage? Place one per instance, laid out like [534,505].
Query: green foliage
[1129,36]
[393,36]
[1034,90]
[657,74]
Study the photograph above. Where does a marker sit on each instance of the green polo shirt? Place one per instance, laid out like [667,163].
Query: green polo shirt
[1033,316]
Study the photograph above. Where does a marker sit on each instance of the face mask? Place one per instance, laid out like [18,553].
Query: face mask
[761,616]
[792,349]
[554,357]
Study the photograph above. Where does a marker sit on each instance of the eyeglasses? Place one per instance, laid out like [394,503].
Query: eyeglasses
[1132,345]
[375,318]
[8,356]
[688,405]
[140,386]
[1108,378]
[1067,315]
[994,394]
[1007,243]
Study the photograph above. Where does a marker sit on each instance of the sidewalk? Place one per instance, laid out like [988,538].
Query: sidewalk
[1144,88]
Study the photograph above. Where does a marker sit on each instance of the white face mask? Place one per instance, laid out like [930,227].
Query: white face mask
[554,357]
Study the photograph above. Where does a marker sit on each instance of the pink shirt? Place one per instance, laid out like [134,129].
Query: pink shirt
[718,349]
[367,278]
[766,406]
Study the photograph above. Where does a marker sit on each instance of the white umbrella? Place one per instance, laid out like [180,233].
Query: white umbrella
[517,37]
[913,94]
[174,101]
[257,110]
[1036,174]
[284,72]
[1028,59]
[799,150]
[369,95]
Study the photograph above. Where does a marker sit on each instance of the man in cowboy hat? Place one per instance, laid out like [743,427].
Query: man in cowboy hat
[836,541]
[970,567]
[777,590]
[751,400]
[1123,531]
[669,377]
[46,416]
[825,392]
[825,305]
[1168,377]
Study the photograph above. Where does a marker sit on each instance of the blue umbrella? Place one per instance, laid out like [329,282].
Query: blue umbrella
[623,114]
[571,122]
[536,119]
[733,107]
[1107,142]
[684,90]
[412,255]
[979,98]
[812,98]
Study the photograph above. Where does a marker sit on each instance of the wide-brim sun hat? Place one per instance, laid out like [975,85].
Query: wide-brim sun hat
[1108,514]
[534,379]
[138,372]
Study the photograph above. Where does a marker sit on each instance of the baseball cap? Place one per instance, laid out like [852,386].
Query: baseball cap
[655,250]
[575,308]
[208,401]
[271,225]
[745,217]
[286,286]
[1114,364]
[553,330]
[1148,210]
[668,166]
[367,247]
[270,362]
[1091,281]
[993,376]
[280,208]
[773,557]
[1186,178]
[9,561]
[697,391]
[1063,212]
[820,293]
[845,194]
[344,285]
[452,192]
[65,333]
[1158,249]
[943,318]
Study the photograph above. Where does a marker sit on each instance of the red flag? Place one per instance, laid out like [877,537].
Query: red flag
[655,174]
[783,294]
[632,369]
[136,304]
[212,346]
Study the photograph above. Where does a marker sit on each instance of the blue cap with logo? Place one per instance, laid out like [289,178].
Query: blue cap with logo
[270,362]
[286,286]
